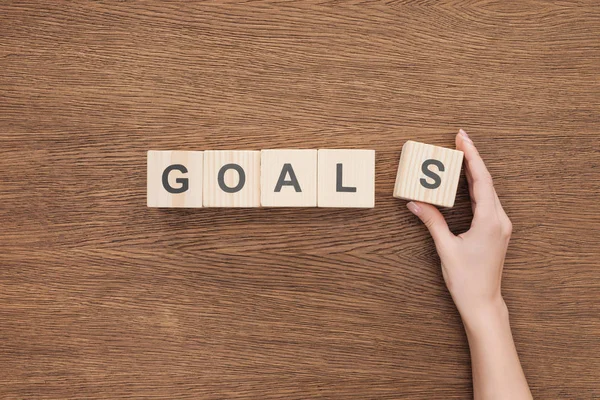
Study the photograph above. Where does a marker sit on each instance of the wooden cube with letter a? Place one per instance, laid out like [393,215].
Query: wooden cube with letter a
[231,178]
[288,178]
[174,178]
[428,173]
[346,178]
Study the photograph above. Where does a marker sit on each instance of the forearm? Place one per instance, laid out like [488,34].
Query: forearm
[472,265]
[497,372]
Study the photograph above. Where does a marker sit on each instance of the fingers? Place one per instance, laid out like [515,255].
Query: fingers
[433,220]
[469,180]
[481,186]
[487,208]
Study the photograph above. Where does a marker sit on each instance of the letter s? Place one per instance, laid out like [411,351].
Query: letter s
[437,180]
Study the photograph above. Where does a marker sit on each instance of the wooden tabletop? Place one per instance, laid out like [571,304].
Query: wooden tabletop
[102,297]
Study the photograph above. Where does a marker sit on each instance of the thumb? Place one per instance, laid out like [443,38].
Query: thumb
[433,220]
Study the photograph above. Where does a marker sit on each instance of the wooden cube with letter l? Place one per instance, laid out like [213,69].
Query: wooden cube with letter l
[174,178]
[428,173]
[346,178]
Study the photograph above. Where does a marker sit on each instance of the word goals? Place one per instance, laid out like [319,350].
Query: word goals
[297,178]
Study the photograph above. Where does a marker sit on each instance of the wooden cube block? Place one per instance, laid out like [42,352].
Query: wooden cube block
[428,173]
[288,178]
[174,178]
[346,178]
[231,178]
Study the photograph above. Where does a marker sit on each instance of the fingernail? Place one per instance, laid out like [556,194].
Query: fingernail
[465,136]
[413,207]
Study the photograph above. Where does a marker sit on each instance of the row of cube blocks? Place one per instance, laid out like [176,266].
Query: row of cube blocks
[343,178]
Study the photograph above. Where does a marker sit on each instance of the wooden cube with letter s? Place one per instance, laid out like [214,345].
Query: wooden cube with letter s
[428,173]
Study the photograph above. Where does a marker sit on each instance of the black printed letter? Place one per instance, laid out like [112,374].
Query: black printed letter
[287,169]
[183,181]
[339,187]
[221,178]
[437,181]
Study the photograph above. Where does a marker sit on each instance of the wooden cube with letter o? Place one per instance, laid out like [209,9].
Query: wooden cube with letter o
[231,178]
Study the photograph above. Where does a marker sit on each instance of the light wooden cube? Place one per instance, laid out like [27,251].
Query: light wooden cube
[174,178]
[346,178]
[288,178]
[231,178]
[428,173]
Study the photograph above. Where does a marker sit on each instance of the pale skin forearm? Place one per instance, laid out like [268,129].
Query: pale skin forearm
[497,372]
[472,265]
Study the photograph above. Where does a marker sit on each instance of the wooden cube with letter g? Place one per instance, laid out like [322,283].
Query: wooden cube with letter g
[174,178]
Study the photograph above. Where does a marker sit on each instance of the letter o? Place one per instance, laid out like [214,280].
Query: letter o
[221,178]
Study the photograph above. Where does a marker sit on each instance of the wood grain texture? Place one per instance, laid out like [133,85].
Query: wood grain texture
[288,178]
[234,170]
[101,297]
[411,180]
[346,178]
[184,173]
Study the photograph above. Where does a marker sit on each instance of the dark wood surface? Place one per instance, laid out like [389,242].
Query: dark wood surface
[101,297]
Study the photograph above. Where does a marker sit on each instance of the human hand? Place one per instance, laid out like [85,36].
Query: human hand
[472,262]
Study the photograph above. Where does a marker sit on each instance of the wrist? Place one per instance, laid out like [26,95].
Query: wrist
[486,317]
